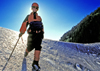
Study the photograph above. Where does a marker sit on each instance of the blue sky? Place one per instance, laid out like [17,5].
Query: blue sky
[58,16]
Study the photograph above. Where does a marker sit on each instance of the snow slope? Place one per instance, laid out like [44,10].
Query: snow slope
[55,55]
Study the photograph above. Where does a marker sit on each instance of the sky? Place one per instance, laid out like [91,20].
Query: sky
[58,16]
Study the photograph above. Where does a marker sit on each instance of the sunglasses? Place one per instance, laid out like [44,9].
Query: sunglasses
[34,7]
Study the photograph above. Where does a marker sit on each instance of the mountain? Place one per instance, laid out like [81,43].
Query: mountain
[55,55]
[87,31]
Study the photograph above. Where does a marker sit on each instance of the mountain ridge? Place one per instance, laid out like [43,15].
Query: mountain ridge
[85,30]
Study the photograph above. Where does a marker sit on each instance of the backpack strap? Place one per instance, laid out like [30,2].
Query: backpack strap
[31,17]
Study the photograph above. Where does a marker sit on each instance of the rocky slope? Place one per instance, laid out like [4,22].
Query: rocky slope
[87,31]
[55,55]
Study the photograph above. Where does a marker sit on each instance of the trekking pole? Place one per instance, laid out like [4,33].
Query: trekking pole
[10,55]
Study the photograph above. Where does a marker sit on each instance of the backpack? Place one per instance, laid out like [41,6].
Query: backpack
[36,25]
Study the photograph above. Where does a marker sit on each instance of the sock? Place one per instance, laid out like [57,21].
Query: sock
[35,62]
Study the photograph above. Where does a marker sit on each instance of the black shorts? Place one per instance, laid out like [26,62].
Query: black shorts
[34,41]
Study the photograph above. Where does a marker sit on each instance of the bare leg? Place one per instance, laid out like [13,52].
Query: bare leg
[36,58]
[37,55]
[26,52]
[35,63]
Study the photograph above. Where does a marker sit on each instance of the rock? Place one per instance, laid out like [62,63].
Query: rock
[94,55]
[98,55]
[69,63]
[78,67]
[98,62]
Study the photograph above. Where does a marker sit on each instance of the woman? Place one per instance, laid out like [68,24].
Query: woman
[35,32]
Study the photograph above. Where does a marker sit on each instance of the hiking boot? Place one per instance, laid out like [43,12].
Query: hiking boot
[35,68]
[25,54]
